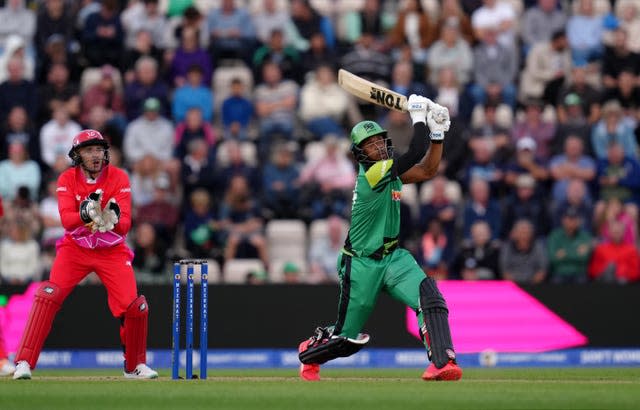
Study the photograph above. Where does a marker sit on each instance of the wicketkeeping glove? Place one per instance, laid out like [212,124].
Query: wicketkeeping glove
[110,216]
[438,122]
[418,106]
[90,211]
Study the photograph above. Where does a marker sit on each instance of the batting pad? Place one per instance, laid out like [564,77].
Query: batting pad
[135,333]
[46,304]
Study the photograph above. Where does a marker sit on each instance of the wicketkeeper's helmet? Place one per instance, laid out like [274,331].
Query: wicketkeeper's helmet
[363,131]
[86,138]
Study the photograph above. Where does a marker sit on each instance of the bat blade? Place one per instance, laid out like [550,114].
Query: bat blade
[371,92]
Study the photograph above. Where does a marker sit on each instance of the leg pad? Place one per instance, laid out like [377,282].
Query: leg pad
[325,346]
[135,322]
[46,303]
[436,332]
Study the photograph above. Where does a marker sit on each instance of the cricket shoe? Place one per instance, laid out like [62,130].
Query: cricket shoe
[23,371]
[449,372]
[6,368]
[142,371]
[308,372]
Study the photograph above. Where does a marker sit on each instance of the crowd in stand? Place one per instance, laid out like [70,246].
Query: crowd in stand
[227,116]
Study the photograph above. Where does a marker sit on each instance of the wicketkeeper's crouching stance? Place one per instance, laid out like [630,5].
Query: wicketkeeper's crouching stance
[371,260]
[94,200]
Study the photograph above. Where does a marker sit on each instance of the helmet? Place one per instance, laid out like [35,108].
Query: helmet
[83,139]
[363,131]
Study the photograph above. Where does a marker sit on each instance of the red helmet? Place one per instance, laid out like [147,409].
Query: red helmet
[85,138]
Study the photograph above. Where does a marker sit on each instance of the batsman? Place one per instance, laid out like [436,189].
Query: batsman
[94,201]
[371,260]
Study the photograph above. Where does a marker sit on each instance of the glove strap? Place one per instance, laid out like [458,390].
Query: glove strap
[437,137]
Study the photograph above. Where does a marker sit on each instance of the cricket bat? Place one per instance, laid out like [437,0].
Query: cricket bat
[371,92]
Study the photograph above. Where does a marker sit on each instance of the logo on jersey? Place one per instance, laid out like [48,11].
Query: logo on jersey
[61,189]
[396,195]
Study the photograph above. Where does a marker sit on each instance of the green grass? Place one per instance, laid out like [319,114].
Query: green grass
[339,389]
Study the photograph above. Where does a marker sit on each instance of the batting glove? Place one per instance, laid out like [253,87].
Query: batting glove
[418,106]
[90,212]
[438,122]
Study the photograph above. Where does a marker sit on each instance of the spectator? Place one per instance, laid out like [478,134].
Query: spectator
[541,21]
[143,47]
[571,121]
[102,35]
[569,165]
[576,198]
[203,238]
[275,101]
[498,16]
[522,258]
[56,51]
[150,134]
[198,168]
[106,94]
[191,18]
[524,205]
[413,27]
[627,94]
[435,249]
[56,136]
[613,211]
[630,22]
[232,35]
[584,32]
[237,164]
[291,273]
[257,277]
[478,257]
[271,18]
[569,249]
[240,218]
[161,213]
[589,96]
[16,18]
[18,128]
[194,128]
[306,22]
[367,62]
[480,207]
[150,252]
[317,54]
[526,163]
[483,166]
[144,15]
[617,58]
[615,261]
[19,255]
[548,65]
[451,50]
[491,131]
[18,171]
[51,222]
[145,85]
[369,19]
[22,208]
[619,177]
[280,185]
[58,91]
[330,179]
[53,18]
[440,206]
[403,82]
[278,52]
[237,112]
[450,10]
[450,93]
[193,94]
[535,127]
[14,47]
[613,128]
[324,252]
[188,55]
[18,91]
[494,70]
[323,104]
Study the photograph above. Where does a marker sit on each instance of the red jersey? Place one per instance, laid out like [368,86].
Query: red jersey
[74,187]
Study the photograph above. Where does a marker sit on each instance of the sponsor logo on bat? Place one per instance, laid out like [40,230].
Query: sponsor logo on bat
[383,98]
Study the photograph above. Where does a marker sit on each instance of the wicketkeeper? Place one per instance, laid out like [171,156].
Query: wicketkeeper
[94,200]
[371,260]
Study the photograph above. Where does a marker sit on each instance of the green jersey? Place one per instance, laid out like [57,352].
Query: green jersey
[375,211]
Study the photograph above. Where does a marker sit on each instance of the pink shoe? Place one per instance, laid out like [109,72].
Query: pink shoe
[308,372]
[450,372]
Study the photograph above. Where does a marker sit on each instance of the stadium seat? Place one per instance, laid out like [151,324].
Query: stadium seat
[221,83]
[286,239]
[236,270]
[247,149]
[452,191]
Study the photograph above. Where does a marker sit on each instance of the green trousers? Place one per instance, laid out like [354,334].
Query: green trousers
[361,281]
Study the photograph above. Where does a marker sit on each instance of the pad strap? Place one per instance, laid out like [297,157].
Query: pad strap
[46,303]
[134,333]
[436,332]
